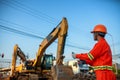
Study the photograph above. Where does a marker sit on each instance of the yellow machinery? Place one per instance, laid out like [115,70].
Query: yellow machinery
[17,52]
[41,68]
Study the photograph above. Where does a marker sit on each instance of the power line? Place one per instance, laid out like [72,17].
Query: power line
[44,15]
[6,21]
[69,45]
[19,6]
[28,11]
[33,36]
[19,32]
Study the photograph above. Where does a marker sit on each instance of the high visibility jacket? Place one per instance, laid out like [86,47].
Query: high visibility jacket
[100,57]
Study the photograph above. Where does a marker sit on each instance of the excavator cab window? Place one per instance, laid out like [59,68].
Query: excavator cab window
[47,61]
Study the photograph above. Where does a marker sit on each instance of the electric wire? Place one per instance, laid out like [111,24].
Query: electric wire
[17,5]
[19,32]
[69,45]
[9,22]
[28,11]
[33,36]
[34,10]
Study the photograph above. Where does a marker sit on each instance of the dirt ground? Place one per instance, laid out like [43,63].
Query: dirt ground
[78,77]
[88,77]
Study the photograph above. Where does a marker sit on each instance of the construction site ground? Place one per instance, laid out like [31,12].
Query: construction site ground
[80,76]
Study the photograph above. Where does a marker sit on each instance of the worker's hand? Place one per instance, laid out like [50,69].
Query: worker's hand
[73,55]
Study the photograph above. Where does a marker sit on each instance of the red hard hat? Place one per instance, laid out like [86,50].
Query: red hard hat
[99,28]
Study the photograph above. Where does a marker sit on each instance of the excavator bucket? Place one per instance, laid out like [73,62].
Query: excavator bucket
[61,72]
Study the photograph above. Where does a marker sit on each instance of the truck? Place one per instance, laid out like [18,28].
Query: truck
[78,66]
[42,68]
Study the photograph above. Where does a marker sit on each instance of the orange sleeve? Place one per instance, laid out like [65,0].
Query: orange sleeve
[84,57]
[94,53]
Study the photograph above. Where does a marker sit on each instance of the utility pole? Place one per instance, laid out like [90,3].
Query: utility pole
[116,66]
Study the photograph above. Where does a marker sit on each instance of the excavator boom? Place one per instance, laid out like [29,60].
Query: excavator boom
[59,32]
[16,52]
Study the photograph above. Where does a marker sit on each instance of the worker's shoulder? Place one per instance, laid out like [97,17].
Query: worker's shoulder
[103,43]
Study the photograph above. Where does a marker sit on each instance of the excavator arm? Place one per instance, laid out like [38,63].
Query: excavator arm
[59,32]
[16,52]
[61,41]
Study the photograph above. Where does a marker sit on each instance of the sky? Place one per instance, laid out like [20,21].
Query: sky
[39,17]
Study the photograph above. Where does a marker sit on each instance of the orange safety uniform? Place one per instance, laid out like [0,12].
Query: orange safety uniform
[100,57]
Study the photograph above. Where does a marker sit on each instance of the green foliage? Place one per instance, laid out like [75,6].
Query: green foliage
[114,70]
[119,71]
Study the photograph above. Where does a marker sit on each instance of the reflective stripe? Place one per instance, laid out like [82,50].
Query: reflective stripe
[102,67]
[90,56]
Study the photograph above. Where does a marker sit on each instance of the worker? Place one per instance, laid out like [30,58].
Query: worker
[100,57]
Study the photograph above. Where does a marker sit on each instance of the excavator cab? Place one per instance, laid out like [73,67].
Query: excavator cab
[47,61]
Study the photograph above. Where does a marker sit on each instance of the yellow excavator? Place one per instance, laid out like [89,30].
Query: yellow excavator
[42,68]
